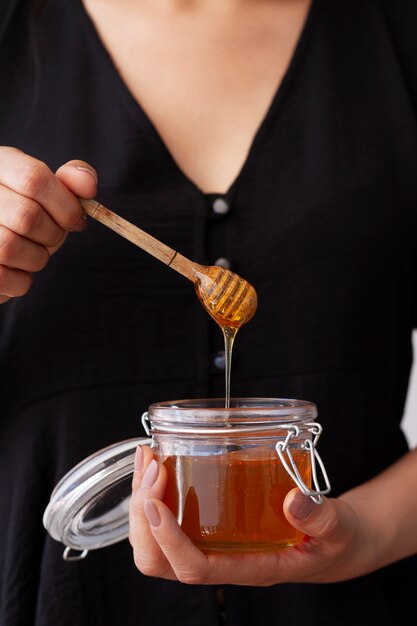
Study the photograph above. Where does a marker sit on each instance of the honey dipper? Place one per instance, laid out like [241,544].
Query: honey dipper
[227,297]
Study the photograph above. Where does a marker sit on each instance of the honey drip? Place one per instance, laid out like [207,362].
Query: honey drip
[227,297]
[231,301]
[229,334]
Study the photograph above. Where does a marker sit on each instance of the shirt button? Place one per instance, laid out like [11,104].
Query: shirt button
[223,262]
[219,361]
[221,206]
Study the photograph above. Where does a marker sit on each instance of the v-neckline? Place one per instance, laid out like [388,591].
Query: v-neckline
[275,102]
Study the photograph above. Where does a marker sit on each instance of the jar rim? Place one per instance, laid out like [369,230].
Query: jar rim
[244,411]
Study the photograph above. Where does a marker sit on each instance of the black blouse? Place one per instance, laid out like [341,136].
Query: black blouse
[321,220]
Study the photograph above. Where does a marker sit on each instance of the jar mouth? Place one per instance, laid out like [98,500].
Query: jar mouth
[212,413]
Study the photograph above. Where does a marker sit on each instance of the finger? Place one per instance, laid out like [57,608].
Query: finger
[143,456]
[330,522]
[53,249]
[191,566]
[26,217]
[149,481]
[16,252]
[187,562]
[13,283]
[32,178]
[80,177]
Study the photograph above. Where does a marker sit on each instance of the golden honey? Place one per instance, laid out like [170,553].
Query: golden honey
[234,501]
[227,297]
[230,469]
[231,301]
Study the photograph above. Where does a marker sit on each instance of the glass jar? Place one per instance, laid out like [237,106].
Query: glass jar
[228,472]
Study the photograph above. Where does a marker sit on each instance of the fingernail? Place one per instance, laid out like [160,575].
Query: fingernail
[152,513]
[138,459]
[150,476]
[87,169]
[80,226]
[301,506]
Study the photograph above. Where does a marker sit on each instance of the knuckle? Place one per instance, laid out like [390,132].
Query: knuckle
[4,276]
[8,149]
[70,220]
[330,526]
[8,244]
[136,508]
[69,217]
[14,287]
[137,560]
[25,285]
[191,578]
[28,216]
[42,260]
[146,567]
[34,179]
[57,239]
[130,536]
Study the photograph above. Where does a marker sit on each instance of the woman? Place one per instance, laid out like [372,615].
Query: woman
[282,137]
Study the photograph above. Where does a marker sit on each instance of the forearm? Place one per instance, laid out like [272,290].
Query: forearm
[387,509]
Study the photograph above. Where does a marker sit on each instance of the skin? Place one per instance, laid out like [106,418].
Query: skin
[207,79]
[216,64]
[364,529]
[37,211]
[239,49]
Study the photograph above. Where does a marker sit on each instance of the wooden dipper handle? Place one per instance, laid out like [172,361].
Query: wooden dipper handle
[140,238]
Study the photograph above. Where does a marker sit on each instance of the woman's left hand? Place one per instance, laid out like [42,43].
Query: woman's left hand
[337,545]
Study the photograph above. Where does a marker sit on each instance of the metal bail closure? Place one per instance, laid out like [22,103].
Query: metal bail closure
[77,555]
[146,422]
[282,448]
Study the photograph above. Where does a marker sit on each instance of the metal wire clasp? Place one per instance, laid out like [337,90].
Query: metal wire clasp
[282,448]
[146,423]
[78,555]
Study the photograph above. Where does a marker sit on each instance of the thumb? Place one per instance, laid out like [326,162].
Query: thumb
[79,177]
[330,521]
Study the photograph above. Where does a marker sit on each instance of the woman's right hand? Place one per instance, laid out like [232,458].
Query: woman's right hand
[37,210]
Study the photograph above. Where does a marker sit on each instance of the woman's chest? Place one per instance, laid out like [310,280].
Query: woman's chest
[204,74]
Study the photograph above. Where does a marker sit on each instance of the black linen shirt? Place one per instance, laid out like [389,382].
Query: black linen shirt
[321,220]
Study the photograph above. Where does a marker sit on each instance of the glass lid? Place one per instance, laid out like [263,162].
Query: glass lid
[89,507]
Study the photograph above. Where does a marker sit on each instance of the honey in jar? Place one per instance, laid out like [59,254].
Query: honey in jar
[233,501]
[229,470]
